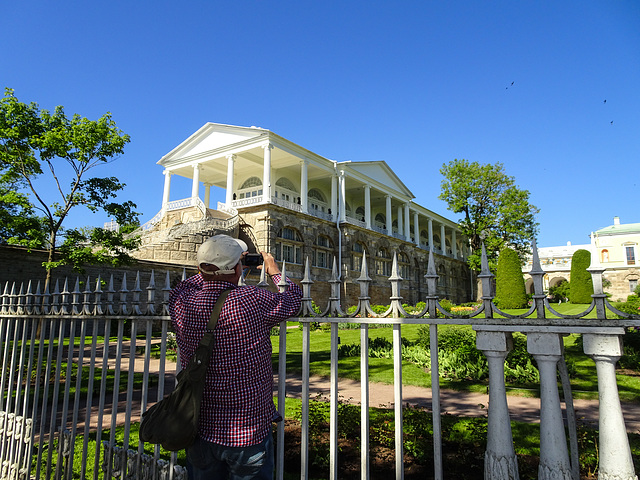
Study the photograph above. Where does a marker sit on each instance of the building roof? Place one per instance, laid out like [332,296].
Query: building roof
[619,229]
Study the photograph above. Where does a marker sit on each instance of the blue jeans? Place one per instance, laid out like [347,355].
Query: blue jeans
[209,461]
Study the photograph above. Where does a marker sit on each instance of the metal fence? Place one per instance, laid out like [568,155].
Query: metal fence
[79,366]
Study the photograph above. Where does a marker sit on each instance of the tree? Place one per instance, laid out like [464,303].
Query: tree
[33,141]
[495,211]
[510,290]
[581,282]
[560,292]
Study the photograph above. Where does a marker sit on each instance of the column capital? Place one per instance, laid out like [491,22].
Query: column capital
[268,146]
[197,166]
[167,173]
[231,156]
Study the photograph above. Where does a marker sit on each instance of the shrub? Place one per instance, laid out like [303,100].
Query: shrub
[509,280]
[581,283]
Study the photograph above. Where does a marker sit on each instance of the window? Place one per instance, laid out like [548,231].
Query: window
[360,214]
[633,284]
[322,252]
[357,252]
[286,190]
[381,221]
[252,187]
[605,255]
[403,266]
[383,262]
[442,276]
[424,238]
[289,246]
[631,255]
[317,201]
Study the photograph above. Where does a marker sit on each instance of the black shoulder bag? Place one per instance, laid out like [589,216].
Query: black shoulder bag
[173,422]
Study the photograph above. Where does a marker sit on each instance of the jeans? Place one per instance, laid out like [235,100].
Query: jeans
[209,461]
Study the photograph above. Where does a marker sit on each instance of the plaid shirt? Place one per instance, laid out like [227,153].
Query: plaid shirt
[237,405]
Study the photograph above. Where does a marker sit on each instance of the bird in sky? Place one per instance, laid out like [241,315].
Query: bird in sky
[605,100]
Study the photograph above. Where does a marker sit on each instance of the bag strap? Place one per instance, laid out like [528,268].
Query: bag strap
[207,339]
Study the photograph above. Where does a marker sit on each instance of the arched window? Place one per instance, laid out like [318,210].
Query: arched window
[380,221]
[442,276]
[360,214]
[403,266]
[251,187]
[286,190]
[357,252]
[383,262]
[605,255]
[289,246]
[317,201]
[424,238]
[322,250]
[436,242]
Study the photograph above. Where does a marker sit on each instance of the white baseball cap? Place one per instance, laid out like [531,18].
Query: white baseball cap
[221,251]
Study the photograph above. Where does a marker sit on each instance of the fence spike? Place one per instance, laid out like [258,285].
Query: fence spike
[282,284]
[395,279]
[75,298]
[364,280]
[28,305]
[166,291]
[537,275]
[306,305]
[86,300]
[19,299]
[486,277]
[123,296]
[5,299]
[334,299]
[135,301]
[263,278]
[46,299]
[110,293]
[97,302]
[151,295]
[37,301]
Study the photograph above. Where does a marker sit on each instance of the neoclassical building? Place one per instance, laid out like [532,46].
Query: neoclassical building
[614,248]
[282,198]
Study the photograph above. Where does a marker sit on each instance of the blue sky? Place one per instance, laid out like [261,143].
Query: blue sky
[414,83]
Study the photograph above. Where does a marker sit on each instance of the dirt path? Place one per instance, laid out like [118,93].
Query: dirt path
[456,403]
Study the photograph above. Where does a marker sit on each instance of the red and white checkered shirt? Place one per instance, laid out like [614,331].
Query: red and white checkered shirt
[237,405]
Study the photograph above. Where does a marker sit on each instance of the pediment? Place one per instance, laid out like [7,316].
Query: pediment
[380,172]
[211,137]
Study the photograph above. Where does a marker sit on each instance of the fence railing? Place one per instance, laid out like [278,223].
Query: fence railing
[80,366]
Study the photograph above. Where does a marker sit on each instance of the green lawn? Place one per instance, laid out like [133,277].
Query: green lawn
[584,381]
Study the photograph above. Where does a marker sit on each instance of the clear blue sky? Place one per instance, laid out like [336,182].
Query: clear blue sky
[416,84]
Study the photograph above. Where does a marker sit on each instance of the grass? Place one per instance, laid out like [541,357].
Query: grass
[584,381]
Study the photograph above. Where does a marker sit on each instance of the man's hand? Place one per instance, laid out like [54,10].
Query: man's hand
[270,265]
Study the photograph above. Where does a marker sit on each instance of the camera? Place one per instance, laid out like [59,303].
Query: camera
[253,260]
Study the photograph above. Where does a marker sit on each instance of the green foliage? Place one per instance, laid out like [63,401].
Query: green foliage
[631,306]
[34,141]
[509,280]
[560,293]
[494,210]
[581,283]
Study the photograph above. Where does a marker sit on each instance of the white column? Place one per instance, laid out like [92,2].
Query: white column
[266,175]
[500,461]
[389,216]
[334,196]
[407,223]
[615,453]
[167,188]
[400,229]
[207,195]
[367,206]
[304,186]
[431,234]
[547,349]
[454,245]
[195,186]
[231,163]
[416,228]
[443,240]
[343,200]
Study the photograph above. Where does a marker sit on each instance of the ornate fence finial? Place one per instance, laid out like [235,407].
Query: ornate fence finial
[135,302]
[263,278]
[333,308]
[28,304]
[151,295]
[64,304]
[487,278]
[97,302]
[110,293]
[306,305]
[166,291]
[395,279]
[75,295]
[282,284]
[123,296]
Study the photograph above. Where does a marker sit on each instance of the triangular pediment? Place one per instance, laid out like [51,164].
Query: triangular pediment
[211,137]
[380,172]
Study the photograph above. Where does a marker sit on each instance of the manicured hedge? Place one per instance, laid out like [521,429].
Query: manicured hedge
[510,291]
[581,287]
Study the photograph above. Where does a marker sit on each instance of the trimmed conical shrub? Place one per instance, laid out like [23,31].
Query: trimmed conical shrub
[581,285]
[510,290]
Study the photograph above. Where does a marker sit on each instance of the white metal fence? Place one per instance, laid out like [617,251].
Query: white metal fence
[79,366]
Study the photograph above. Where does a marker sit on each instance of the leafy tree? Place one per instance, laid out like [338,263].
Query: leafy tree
[34,141]
[510,290]
[581,282]
[560,292]
[495,211]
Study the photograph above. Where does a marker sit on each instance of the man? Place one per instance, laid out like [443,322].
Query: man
[234,440]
